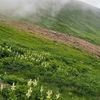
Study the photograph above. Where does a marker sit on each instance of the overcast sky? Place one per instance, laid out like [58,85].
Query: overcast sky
[95,3]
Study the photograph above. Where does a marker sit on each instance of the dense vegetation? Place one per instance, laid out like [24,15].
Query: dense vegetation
[53,68]
[77,19]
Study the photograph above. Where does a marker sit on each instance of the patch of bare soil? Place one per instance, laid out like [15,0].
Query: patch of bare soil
[56,37]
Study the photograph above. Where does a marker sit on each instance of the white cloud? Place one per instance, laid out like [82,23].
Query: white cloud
[23,8]
[26,7]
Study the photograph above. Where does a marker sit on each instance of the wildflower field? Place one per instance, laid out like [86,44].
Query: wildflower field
[32,68]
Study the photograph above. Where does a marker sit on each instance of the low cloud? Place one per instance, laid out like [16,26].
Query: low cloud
[24,8]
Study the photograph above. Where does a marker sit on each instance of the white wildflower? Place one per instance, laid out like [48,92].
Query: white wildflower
[37,60]
[13,86]
[45,64]
[32,59]
[9,49]
[57,96]
[49,94]
[28,94]
[34,82]
[30,82]
[30,90]
[41,90]
[1,87]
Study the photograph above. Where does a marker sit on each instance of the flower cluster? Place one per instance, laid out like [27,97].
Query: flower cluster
[1,87]
[8,48]
[13,86]
[32,56]
[41,90]
[28,94]
[49,94]
[30,82]
[32,86]
[34,82]
[57,96]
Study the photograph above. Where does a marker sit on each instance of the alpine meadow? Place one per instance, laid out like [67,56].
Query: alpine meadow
[50,54]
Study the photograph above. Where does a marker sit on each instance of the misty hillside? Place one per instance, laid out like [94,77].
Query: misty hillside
[75,18]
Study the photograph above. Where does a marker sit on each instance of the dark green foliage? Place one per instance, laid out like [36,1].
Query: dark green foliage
[59,67]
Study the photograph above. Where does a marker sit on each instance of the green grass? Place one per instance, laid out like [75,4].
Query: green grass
[76,75]
[73,20]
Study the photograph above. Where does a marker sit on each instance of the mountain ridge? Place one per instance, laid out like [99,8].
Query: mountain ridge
[73,20]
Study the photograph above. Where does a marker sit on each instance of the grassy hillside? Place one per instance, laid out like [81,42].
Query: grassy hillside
[75,18]
[51,66]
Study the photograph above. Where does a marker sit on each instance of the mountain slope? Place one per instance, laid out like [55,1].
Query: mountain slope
[75,18]
[54,65]
[55,36]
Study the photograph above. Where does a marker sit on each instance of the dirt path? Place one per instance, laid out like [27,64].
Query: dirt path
[57,37]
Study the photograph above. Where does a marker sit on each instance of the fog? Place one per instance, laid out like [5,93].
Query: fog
[23,8]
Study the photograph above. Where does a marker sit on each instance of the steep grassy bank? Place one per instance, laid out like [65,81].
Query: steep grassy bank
[54,65]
